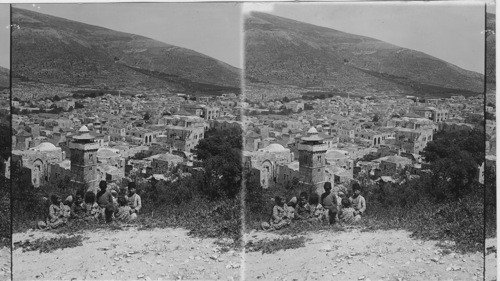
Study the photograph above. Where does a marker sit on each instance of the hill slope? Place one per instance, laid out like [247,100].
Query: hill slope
[54,50]
[4,78]
[292,53]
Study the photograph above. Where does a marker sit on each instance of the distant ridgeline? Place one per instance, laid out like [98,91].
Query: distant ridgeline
[52,54]
[291,57]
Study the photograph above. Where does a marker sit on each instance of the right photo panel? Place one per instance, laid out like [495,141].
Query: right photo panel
[365,156]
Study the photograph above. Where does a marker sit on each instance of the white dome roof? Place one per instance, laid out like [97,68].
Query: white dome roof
[107,153]
[312,131]
[45,146]
[336,154]
[84,129]
[275,147]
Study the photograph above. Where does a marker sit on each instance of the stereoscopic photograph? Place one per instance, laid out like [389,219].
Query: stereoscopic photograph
[364,150]
[126,141]
[248,141]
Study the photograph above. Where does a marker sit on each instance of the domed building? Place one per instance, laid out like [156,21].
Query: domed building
[266,160]
[37,161]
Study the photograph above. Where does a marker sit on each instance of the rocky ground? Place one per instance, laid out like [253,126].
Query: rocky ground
[166,254]
[356,255]
[159,254]
[491,259]
[5,264]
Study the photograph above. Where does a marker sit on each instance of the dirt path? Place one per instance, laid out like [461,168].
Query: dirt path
[160,254]
[355,255]
[5,264]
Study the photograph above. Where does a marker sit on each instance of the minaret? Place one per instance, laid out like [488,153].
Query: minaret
[312,161]
[84,160]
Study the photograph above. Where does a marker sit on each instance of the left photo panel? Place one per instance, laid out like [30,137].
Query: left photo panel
[126,141]
[5,144]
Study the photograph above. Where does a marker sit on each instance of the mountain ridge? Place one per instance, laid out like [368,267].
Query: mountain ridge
[293,53]
[60,51]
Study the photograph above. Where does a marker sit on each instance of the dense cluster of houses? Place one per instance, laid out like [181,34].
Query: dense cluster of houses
[354,136]
[101,141]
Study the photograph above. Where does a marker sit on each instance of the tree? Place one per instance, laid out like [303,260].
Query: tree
[147,116]
[222,175]
[56,98]
[454,158]
[220,152]
[216,142]
[286,99]
[376,118]
[446,144]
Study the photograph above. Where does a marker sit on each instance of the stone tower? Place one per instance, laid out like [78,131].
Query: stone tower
[84,160]
[312,161]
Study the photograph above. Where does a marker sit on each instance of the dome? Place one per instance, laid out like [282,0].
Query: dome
[312,131]
[84,129]
[275,147]
[106,153]
[45,146]
[336,154]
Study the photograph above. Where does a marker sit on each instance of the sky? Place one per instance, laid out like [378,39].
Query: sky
[212,29]
[4,35]
[449,31]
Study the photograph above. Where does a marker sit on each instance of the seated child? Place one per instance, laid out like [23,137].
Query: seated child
[329,202]
[78,209]
[317,210]
[125,213]
[134,200]
[293,202]
[66,207]
[303,209]
[92,209]
[56,215]
[347,214]
[279,218]
[114,193]
[357,200]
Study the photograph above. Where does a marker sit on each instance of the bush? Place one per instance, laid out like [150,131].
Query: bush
[413,206]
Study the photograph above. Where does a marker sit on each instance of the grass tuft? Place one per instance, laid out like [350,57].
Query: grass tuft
[49,245]
[271,246]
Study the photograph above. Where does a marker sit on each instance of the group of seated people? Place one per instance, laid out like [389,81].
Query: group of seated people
[316,209]
[107,205]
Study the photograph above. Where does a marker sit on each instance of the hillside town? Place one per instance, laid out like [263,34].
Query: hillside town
[357,136]
[112,137]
